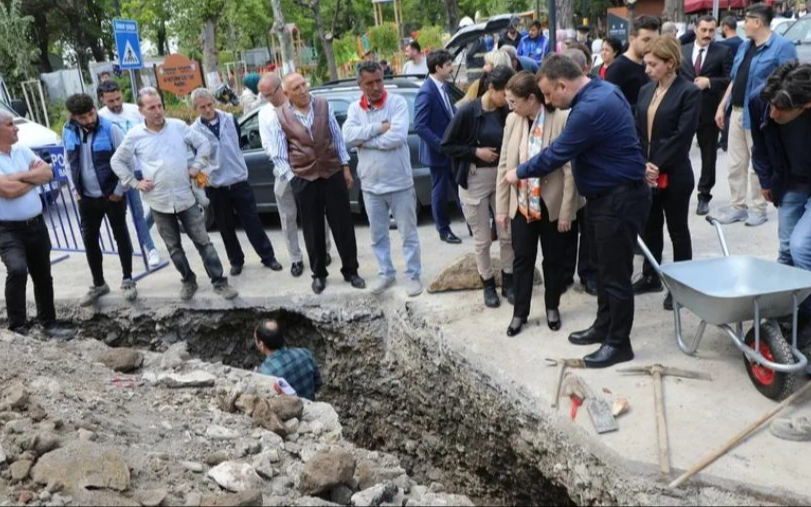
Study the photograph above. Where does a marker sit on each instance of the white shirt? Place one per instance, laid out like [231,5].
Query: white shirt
[696,49]
[26,206]
[267,117]
[411,68]
[163,159]
[128,118]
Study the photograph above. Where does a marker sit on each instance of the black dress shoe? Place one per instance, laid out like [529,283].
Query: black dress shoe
[450,238]
[703,207]
[553,320]
[21,330]
[236,270]
[52,330]
[273,264]
[319,284]
[515,325]
[327,260]
[356,281]
[649,283]
[590,288]
[668,303]
[588,336]
[608,356]
[297,269]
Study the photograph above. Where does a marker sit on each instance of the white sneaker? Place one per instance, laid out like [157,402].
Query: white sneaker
[153,258]
[413,287]
[129,290]
[731,215]
[382,285]
[756,218]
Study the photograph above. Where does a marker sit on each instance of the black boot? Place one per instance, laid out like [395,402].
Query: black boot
[491,299]
[507,287]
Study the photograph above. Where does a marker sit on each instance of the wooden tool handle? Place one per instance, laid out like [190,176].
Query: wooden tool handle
[556,393]
[661,425]
[740,437]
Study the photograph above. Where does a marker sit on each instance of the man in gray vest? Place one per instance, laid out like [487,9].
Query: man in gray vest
[307,148]
[228,188]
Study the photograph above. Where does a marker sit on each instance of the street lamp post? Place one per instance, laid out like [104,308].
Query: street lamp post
[553,25]
[631,8]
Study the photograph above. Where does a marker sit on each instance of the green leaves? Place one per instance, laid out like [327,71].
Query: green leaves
[384,39]
[16,51]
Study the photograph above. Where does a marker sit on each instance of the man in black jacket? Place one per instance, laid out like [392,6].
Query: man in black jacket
[781,129]
[708,65]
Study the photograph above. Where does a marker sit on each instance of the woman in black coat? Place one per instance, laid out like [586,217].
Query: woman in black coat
[667,119]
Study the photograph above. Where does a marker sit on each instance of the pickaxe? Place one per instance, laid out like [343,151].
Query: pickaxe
[657,371]
[562,364]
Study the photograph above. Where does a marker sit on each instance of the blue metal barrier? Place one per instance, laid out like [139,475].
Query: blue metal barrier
[63,220]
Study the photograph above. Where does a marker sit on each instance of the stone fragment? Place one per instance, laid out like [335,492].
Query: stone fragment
[325,471]
[462,274]
[268,419]
[286,407]
[378,495]
[216,458]
[187,380]
[3,456]
[20,470]
[263,463]
[85,435]
[83,465]
[193,500]
[15,397]
[236,477]
[194,467]
[439,500]
[44,442]
[25,497]
[245,403]
[271,440]
[292,426]
[248,448]
[227,400]
[341,495]
[216,432]
[36,413]
[122,360]
[19,426]
[242,499]
[175,356]
[309,501]
[151,498]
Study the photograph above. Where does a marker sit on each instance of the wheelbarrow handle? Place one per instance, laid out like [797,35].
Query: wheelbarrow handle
[720,231]
[648,255]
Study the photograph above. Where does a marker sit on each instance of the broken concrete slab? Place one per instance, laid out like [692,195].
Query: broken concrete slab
[462,274]
[236,477]
[325,471]
[187,380]
[83,465]
[122,360]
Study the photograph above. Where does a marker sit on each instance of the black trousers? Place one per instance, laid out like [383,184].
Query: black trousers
[92,211]
[238,202]
[671,204]
[577,255]
[525,236]
[25,248]
[330,197]
[708,136]
[613,222]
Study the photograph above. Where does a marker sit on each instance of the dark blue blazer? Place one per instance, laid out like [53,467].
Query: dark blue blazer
[431,119]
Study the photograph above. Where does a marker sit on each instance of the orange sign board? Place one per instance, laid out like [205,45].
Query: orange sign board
[179,75]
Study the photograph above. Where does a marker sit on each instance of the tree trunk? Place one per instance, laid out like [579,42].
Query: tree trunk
[326,39]
[42,34]
[162,42]
[565,13]
[452,15]
[283,35]
[209,39]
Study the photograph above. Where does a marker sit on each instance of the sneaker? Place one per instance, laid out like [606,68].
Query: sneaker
[153,258]
[94,294]
[226,291]
[732,215]
[188,290]
[413,287]
[382,285]
[756,218]
[129,290]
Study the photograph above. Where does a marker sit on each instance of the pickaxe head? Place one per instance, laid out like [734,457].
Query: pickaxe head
[666,372]
[569,363]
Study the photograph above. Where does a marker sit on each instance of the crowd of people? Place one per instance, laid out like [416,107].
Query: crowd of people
[577,159]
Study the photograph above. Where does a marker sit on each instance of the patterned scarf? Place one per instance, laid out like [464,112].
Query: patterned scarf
[529,190]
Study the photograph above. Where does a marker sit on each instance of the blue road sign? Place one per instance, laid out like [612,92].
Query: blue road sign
[128,44]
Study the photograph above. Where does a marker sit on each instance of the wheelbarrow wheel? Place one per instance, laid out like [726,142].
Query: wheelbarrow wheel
[774,347]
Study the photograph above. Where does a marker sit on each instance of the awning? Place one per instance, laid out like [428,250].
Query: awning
[691,6]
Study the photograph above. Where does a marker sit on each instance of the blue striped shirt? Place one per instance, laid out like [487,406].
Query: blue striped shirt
[275,142]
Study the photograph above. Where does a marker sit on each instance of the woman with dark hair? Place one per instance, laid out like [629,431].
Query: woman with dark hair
[612,48]
[540,208]
[473,142]
[666,121]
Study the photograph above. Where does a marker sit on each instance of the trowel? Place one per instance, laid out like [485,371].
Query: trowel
[600,412]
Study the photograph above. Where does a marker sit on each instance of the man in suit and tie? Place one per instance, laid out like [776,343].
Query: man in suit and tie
[433,111]
[708,65]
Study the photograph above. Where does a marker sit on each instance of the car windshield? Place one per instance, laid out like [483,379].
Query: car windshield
[6,109]
[800,32]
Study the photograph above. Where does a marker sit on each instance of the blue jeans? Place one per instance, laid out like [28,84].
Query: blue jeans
[402,205]
[794,230]
[141,227]
[441,182]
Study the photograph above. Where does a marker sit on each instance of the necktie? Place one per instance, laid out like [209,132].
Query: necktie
[446,101]
[699,61]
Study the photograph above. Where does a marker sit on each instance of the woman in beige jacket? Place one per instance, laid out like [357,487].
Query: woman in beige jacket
[540,208]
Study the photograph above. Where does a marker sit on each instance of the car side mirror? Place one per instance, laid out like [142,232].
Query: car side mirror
[19,107]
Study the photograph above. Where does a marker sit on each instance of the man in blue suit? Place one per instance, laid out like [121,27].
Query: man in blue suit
[433,111]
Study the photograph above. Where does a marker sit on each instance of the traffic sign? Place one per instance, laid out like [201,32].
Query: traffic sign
[128,44]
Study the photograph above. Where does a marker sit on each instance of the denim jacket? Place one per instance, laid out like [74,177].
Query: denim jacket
[774,53]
